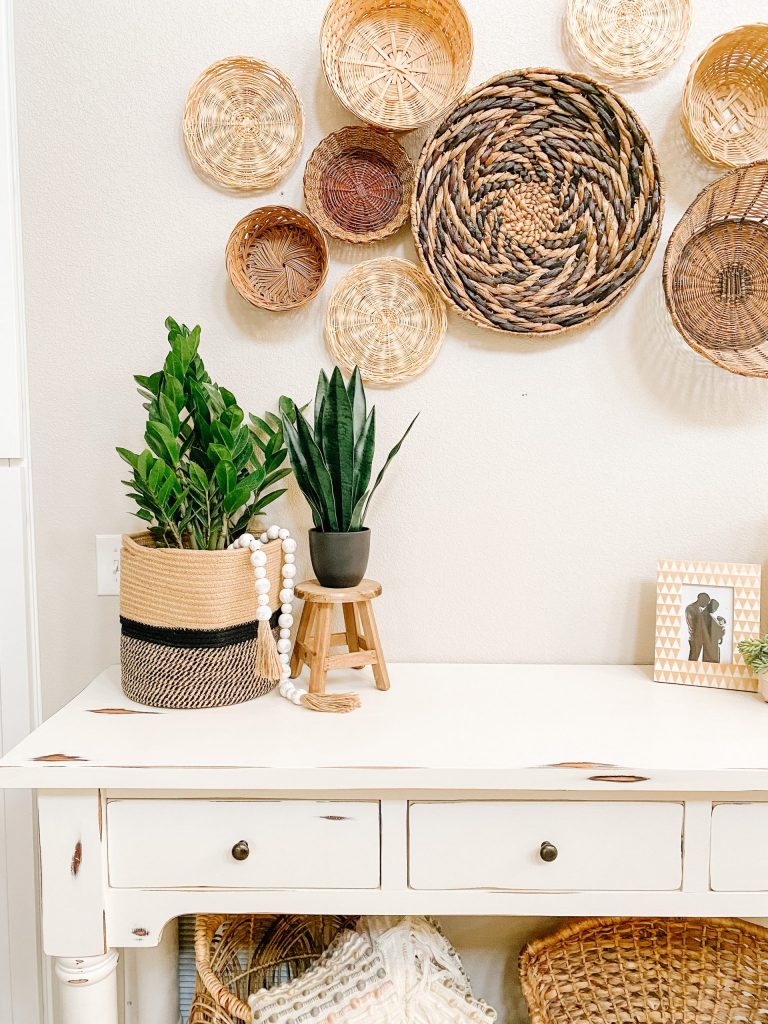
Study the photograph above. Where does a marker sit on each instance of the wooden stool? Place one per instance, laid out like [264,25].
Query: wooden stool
[314,638]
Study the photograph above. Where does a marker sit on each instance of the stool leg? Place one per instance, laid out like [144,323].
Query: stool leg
[302,635]
[350,628]
[373,642]
[317,670]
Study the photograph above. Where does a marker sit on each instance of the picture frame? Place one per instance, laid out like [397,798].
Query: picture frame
[703,611]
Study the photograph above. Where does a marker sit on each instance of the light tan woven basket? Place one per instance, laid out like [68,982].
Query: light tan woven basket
[648,971]
[277,257]
[397,64]
[386,317]
[243,123]
[629,39]
[725,100]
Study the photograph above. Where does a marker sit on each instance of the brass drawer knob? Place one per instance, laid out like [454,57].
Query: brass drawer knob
[548,852]
[240,850]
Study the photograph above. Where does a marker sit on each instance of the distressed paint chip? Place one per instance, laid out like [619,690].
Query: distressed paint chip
[140,932]
[618,778]
[590,765]
[120,711]
[77,858]
[334,817]
[53,758]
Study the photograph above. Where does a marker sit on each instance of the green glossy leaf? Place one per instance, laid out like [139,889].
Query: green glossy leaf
[364,449]
[168,413]
[356,393]
[302,472]
[236,498]
[320,392]
[383,469]
[162,442]
[267,499]
[130,457]
[338,446]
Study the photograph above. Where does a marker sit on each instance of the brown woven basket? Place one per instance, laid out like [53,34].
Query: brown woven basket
[357,184]
[237,956]
[538,202]
[648,971]
[397,64]
[243,123]
[716,272]
[189,631]
[277,258]
[725,100]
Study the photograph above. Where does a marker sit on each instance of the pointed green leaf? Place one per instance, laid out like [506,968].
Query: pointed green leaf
[130,457]
[338,446]
[383,469]
[364,449]
[356,393]
[320,392]
[302,473]
[162,442]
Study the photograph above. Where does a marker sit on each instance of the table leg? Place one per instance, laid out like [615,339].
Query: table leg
[86,989]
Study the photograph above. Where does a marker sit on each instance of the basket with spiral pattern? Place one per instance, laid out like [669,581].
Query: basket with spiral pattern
[277,257]
[397,64]
[716,272]
[357,184]
[613,971]
[538,202]
[243,124]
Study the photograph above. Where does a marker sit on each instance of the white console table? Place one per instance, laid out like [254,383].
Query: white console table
[464,790]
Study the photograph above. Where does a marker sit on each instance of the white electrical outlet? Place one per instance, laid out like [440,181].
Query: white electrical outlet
[107,563]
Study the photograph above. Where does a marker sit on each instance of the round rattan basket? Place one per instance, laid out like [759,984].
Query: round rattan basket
[358,183]
[397,64]
[725,100]
[386,317]
[616,970]
[277,257]
[243,124]
[629,39]
[716,272]
[538,202]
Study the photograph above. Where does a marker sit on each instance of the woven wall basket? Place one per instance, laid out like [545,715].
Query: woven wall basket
[277,257]
[243,123]
[538,201]
[397,64]
[357,184]
[716,272]
[629,39]
[386,317]
[189,630]
[648,971]
[725,100]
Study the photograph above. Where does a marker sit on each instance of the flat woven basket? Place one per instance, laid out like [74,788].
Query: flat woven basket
[386,317]
[648,971]
[725,100]
[243,124]
[358,183]
[538,202]
[629,39]
[277,257]
[716,272]
[397,64]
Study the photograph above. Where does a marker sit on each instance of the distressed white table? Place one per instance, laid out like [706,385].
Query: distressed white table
[464,790]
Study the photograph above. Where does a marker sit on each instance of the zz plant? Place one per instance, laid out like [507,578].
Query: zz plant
[204,472]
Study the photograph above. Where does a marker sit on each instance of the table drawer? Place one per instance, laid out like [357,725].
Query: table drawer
[737,861]
[304,844]
[498,845]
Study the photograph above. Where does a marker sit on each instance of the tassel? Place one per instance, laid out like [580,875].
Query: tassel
[267,659]
[339,703]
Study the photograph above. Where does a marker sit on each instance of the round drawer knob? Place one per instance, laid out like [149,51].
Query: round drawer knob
[548,852]
[240,850]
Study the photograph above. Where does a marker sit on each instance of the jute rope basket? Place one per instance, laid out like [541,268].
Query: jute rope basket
[538,202]
[397,64]
[189,631]
[725,100]
[647,971]
[386,317]
[358,183]
[277,258]
[716,272]
[629,39]
[243,123]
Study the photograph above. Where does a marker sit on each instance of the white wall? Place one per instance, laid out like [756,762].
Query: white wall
[524,517]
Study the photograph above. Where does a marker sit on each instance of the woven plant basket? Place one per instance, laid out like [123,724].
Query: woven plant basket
[725,100]
[716,272]
[277,258]
[648,971]
[397,64]
[357,184]
[237,956]
[243,124]
[386,317]
[629,39]
[189,631]
[538,202]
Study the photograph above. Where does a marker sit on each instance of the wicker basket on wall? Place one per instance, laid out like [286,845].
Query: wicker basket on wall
[716,272]
[189,631]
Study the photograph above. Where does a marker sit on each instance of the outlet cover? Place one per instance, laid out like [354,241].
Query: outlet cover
[107,564]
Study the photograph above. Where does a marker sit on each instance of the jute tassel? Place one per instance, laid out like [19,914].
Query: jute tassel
[267,659]
[339,703]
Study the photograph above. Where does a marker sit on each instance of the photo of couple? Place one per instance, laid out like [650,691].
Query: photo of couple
[706,627]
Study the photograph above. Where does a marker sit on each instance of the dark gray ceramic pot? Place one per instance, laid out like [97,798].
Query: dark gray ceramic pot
[339,559]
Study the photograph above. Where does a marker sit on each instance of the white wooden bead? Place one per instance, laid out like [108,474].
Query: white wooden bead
[262,586]
[263,538]
[283,534]
[284,634]
[283,688]
[244,539]
[286,608]
[259,558]
[263,613]
[259,572]
[255,545]
[285,671]
[288,583]
[289,559]
[289,545]
[285,620]
[283,646]
[289,571]
[296,696]
[286,595]
[262,599]
[273,532]
[285,658]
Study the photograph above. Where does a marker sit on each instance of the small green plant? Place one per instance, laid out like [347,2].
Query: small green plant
[755,653]
[205,472]
[332,458]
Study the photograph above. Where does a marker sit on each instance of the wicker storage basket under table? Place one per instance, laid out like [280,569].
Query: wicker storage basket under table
[648,971]
[538,202]
[189,630]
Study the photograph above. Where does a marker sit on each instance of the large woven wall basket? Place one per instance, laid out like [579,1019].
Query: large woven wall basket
[189,631]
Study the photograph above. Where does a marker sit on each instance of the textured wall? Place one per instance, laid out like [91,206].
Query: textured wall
[523,519]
